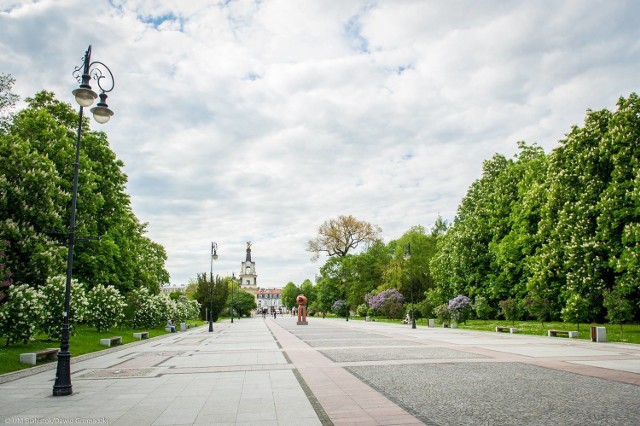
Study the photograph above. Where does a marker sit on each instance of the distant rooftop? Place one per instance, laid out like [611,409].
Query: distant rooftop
[270,291]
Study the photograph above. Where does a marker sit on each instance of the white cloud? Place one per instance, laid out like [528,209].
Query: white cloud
[249,120]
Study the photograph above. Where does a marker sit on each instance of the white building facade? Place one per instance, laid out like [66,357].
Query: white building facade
[270,300]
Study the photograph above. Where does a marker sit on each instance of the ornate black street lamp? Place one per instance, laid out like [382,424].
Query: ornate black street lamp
[214,256]
[407,257]
[101,113]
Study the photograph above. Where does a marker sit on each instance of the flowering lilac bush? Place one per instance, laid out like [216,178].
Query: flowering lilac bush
[387,303]
[106,307]
[182,309]
[169,307]
[460,308]
[53,305]
[145,310]
[21,314]
[339,307]
[193,308]
[375,301]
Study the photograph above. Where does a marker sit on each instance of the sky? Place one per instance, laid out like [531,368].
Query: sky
[258,121]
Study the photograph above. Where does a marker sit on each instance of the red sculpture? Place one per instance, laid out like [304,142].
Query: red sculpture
[301,300]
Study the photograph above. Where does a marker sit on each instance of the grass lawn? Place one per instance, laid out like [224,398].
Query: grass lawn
[630,332]
[86,340]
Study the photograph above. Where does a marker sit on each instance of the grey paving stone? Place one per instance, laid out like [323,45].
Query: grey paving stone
[337,343]
[503,394]
[386,354]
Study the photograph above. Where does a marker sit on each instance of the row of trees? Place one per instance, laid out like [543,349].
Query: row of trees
[563,228]
[556,235]
[37,154]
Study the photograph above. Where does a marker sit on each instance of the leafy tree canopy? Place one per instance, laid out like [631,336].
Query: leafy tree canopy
[37,156]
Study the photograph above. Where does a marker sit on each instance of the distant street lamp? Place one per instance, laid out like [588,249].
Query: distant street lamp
[214,256]
[233,283]
[407,257]
[346,295]
[101,113]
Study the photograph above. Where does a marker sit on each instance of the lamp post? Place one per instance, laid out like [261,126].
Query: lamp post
[101,113]
[233,283]
[407,257]
[346,295]
[214,256]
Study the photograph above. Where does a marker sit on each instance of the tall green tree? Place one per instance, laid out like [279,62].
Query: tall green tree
[510,270]
[571,264]
[243,302]
[413,275]
[32,204]
[307,288]
[363,272]
[329,286]
[289,294]
[465,264]
[212,293]
[38,153]
[618,223]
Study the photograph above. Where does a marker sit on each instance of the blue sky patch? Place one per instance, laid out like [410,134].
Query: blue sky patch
[352,30]
[158,20]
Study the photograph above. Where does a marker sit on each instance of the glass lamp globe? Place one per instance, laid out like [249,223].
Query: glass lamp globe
[84,96]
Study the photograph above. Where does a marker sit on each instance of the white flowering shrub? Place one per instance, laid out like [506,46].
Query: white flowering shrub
[22,313]
[169,307]
[53,304]
[193,308]
[181,311]
[106,307]
[145,310]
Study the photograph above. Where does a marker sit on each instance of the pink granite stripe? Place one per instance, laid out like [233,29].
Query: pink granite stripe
[345,398]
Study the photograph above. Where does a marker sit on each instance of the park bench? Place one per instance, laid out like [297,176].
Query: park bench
[116,340]
[31,357]
[554,333]
[504,329]
[141,335]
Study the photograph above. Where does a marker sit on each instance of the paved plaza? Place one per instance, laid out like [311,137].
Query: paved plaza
[273,372]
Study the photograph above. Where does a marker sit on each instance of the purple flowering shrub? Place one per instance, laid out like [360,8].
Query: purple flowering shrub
[375,301]
[387,303]
[460,308]
[339,307]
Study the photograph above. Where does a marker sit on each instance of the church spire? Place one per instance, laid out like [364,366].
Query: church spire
[248,252]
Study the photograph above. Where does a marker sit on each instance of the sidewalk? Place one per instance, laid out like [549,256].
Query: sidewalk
[272,372]
[234,375]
